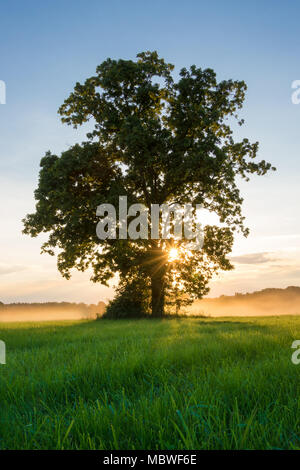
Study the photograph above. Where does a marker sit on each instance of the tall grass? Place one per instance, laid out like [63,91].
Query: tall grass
[151,384]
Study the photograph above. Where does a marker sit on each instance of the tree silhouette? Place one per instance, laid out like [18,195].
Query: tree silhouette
[155,140]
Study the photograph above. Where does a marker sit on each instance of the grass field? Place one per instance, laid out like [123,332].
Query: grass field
[224,383]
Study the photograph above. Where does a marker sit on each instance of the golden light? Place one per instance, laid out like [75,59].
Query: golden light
[173,254]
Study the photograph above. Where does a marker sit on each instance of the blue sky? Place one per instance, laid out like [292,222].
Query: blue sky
[45,47]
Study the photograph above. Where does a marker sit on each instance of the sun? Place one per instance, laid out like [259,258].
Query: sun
[173,254]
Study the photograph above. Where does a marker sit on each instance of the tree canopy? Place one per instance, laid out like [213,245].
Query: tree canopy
[156,140]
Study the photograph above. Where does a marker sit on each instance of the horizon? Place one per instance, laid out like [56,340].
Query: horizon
[269,302]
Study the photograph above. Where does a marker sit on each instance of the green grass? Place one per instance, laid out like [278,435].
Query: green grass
[224,383]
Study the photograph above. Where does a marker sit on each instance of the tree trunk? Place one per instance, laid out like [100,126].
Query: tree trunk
[158,295]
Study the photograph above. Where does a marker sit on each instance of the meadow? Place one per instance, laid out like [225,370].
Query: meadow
[182,383]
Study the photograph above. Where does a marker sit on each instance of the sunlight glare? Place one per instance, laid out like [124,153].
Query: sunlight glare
[173,254]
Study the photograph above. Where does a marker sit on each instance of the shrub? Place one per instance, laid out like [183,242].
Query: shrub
[131,301]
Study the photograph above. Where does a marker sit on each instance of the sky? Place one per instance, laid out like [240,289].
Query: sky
[45,47]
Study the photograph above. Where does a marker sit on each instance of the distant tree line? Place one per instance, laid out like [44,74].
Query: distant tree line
[82,308]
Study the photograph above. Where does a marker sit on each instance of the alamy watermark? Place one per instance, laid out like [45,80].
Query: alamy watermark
[166,221]
[296,94]
[2,92]
[296,354]
[2,352]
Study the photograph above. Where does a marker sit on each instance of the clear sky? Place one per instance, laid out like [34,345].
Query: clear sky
[46,46]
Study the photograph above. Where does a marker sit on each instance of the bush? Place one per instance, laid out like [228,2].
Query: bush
[130,302]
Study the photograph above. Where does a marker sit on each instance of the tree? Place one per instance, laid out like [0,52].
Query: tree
[155,140]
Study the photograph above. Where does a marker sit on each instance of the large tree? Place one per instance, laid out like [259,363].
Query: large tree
[157,141]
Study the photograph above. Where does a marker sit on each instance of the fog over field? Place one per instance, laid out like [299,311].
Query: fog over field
[21,312]
[265,302]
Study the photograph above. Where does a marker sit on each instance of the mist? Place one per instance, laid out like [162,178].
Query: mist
[49,311]
[266,302]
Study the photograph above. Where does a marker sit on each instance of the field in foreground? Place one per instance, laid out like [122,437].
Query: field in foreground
[151,384]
